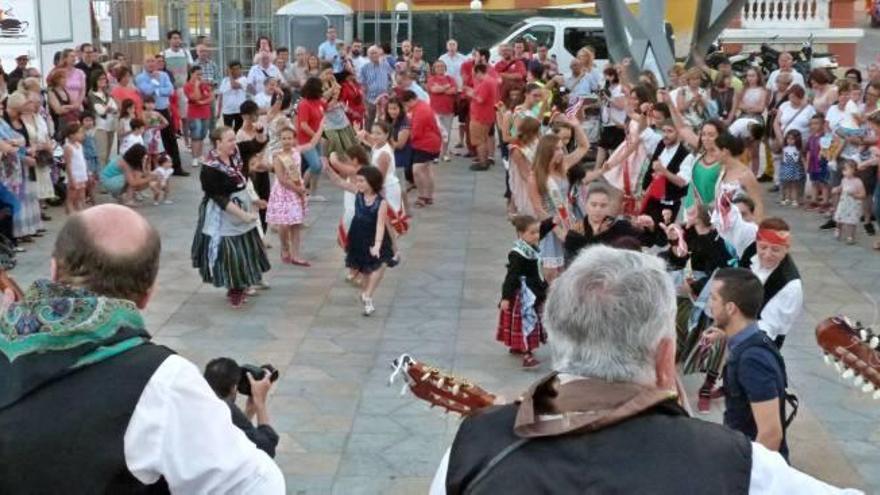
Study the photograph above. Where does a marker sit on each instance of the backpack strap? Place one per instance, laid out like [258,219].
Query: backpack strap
[789,397]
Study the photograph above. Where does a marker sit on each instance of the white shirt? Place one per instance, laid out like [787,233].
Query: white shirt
[108,122]
[263,101]
[182,431]
[453,65]
[614,116]
[358,64]
[740,127]
[770,475]
[795,118]
[130,140]
[233,98]
[796,79]
[849,115]
[778,316]
[258,74]
[651,139]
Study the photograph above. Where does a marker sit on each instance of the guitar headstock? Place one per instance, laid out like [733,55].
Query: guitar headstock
[440,389]
[853,350]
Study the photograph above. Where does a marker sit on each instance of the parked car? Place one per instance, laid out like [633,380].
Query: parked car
[564,36]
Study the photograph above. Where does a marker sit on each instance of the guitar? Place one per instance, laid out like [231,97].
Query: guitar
[439,388]
[853,350]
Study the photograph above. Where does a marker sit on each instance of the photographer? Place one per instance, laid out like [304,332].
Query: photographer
[224,375]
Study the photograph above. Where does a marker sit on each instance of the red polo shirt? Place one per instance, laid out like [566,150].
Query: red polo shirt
[487,91]
[308,112]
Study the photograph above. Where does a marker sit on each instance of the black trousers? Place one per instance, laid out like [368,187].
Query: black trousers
[169,141]
[233,120]
[263,187]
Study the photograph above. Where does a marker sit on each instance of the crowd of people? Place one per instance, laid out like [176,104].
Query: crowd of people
[592,156]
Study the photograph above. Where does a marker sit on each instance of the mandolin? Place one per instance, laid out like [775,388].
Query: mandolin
[438,388]
[854,350]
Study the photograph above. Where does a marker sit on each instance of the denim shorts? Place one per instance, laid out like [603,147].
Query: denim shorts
[198,128]
[311,161]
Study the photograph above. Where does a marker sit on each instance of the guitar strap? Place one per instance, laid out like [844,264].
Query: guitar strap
[500,456]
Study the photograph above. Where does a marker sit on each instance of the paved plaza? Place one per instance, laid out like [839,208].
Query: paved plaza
[343,430]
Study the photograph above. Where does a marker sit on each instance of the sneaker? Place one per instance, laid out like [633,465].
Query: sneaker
[830,224]
[784,202]
[168,202]
[869,229]
[317,198]
[447,158]
[368,306]
[794,204]
[704,404]
[196,163]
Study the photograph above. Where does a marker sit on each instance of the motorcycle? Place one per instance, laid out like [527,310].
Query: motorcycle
[805,59]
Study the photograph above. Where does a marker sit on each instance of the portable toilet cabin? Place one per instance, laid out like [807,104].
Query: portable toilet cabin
[305,22]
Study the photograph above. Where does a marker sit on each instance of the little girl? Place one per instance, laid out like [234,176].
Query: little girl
[523,292]
[288,203]
[382,157]
[77,170]
[817,165]
[791,173]
[347,167]
[154,122]
[160,180]
[134,136]
[123,124]
[849,207]
[90,152]
[369,245]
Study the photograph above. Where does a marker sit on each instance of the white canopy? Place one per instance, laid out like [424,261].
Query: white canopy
[315,8]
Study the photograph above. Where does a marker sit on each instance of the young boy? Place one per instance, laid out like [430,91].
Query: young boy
[136,136]
[90,152]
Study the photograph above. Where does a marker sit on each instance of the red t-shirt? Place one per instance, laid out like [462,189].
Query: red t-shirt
[424,129]
[308,112]
[467,72]
[442,102]
[193,110]
[483,111]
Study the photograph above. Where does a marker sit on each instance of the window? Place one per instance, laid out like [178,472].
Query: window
[576,38]
[542,34]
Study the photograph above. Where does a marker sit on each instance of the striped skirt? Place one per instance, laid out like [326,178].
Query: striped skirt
[510,329]
[692,354]
[240,262]
[339,140]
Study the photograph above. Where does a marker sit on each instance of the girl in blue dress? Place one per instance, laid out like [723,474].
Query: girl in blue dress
[369,243]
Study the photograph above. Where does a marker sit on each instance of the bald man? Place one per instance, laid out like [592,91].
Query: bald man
[88,403]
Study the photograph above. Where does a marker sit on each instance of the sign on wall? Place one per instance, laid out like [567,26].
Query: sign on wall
[18,21]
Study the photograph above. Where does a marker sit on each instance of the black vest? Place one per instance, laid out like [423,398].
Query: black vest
[673,192]
[67,436]
[781,276]
[661,451]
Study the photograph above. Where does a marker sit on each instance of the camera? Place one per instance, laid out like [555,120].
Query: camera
[258,372]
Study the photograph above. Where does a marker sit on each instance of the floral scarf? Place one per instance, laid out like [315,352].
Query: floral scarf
[57,329]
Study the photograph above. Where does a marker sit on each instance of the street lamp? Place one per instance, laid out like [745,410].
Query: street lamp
[476,5]
[401,7]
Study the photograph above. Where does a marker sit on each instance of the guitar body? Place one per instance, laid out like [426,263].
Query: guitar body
[441,389]
[853,350]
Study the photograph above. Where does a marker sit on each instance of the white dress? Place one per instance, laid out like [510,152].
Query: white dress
[78,167]
[391,189]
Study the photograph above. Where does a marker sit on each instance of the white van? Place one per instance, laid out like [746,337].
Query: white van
[564,36]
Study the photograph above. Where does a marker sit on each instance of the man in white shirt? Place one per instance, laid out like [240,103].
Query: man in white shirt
[263,70]
[178,61]
[453,61]
[136,417]
[233,92]
[609,414]
[786,66]
[358,57]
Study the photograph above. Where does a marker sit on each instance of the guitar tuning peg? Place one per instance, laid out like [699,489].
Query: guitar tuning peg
[838,367]
[859,381]
[441,382]
[456,389]
[868,388]
[876,394]
[864,335]
[426,376]
[828,359]
[875,341]
[848,373]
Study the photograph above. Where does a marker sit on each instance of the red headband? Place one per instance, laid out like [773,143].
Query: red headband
[775,237]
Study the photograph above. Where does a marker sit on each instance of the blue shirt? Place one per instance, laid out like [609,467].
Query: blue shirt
[376,79]
[752,374]
[327,52]
[159,86]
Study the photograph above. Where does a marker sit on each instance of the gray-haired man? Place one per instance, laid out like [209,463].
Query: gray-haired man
[609,420]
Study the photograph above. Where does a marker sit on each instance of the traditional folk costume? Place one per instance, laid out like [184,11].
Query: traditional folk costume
[658,193]
[558,202]
[625,176]
[519,326]
[619,230]
[227,252]
[397,215]
[519,185]
[783,290]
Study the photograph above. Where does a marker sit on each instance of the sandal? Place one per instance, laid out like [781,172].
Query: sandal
[529,361]
[294,261]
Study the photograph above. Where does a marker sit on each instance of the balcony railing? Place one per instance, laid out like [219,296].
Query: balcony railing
[786,14]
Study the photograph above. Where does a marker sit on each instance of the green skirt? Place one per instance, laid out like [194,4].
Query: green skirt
[339,140]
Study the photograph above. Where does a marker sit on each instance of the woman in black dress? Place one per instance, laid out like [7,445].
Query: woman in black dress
[227,248]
